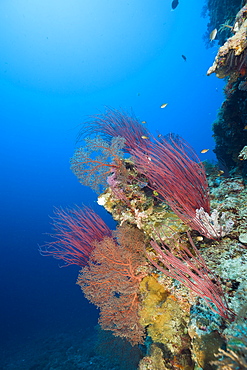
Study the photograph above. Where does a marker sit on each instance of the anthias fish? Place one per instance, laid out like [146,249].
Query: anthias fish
[163,105]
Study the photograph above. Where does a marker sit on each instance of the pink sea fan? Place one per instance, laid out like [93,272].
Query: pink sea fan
[111,281]
[96,160]
[76,230]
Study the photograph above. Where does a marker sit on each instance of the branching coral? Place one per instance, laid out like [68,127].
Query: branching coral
[114,266]
[235,355]
[216,224]
[231,360]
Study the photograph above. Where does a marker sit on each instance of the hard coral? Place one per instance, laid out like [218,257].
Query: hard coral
[231,57]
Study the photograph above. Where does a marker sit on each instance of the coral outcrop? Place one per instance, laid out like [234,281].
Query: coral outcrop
[231,57]
[221,15]
[230,128]
[173,276]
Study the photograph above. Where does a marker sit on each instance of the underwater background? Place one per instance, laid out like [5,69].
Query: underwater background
[61,61]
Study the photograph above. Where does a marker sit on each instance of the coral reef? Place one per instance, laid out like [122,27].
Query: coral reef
[231,57]
[158,360]
[129,199]
[155,361]
[229,131]
[173,276]
[163,314]
[176,175]
[234,354]
[221,14]
[190,269]
[230,128]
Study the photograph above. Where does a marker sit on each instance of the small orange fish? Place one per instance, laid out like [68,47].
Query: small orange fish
[144,122]
[204,151]
[163,105]
[245,127]
[144,137]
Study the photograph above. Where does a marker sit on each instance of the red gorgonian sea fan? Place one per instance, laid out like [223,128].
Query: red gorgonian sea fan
[175,172]
[75,231]
[111,282]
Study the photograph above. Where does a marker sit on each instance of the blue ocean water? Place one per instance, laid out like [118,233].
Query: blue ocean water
[61,61]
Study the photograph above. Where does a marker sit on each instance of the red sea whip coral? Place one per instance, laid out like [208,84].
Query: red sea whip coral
[76,230]
[171,166]
[191,270]
[175,172]
[115,123]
